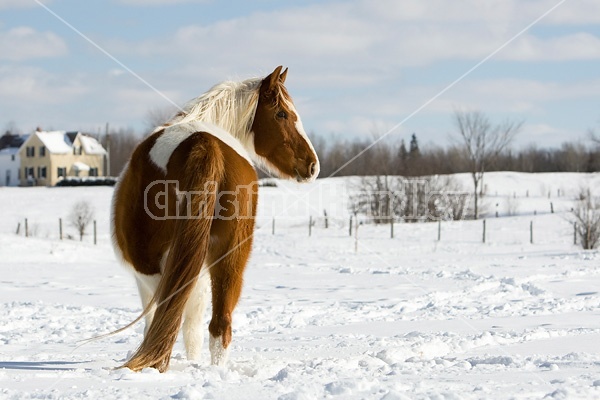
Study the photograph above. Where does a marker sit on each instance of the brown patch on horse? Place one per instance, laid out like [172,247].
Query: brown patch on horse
[140,238]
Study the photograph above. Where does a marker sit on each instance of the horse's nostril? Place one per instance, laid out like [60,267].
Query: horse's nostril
[311,168]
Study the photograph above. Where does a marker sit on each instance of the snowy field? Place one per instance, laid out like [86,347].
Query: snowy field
[404,318]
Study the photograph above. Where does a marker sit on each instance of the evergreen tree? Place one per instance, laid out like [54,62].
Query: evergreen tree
[402,158]
[414,147]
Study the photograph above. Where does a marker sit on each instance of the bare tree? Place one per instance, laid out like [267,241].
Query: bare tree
[158,116]
[80,217]
[482,143]
[586,215]
[122,143]
[423,199]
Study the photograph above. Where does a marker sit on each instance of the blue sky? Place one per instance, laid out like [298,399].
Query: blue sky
[356,67]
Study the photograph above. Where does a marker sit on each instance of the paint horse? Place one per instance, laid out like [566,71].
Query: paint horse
[183,211]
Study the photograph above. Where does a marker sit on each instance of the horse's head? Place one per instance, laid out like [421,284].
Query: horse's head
[279,138]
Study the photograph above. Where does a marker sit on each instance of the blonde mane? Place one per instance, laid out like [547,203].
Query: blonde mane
[229,105]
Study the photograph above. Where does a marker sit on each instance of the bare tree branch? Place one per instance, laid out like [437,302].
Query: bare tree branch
[483,143]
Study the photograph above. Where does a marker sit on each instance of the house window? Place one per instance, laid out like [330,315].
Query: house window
[29,172]
[62,172]
[12,157]
[42,151]
[42,172]
[77,150]
[30,151]
[93,172]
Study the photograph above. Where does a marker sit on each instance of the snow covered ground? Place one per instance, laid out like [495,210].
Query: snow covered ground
[401,318]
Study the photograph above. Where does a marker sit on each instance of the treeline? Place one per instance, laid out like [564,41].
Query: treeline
[340,157]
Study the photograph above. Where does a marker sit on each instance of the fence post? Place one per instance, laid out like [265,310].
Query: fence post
[350,227]
[439,230]
[326,219]
[551,208]
[484,231]
[95,232]
[575,233]
[273,226]
[60,232]
[356,235]
[26,229]
[391,227]
[309,226]
[531,232]
[18,228]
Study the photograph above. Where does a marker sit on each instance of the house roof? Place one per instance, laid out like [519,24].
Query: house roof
[55,142]
[91,145]
[9,151]
[61,142]
[12,140]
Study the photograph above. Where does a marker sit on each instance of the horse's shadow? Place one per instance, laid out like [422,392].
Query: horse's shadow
[41,365]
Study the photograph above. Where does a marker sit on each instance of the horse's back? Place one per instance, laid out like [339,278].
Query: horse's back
[166,163]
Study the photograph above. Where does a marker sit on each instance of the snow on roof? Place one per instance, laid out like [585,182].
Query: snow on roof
[55,141]
[79,166]
[9,151]
[59,142]
[91,145]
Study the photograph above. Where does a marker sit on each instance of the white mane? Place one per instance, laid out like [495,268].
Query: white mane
[229,105]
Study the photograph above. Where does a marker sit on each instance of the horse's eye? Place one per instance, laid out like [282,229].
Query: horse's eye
[282,115]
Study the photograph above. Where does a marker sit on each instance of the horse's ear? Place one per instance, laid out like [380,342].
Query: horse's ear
[273,79]
[283,76]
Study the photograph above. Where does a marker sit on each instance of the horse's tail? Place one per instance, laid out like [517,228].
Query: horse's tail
[185,259]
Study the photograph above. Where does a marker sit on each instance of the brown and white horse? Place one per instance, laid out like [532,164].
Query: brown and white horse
[183,211]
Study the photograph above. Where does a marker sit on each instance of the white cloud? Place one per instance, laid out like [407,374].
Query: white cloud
[360,43]
[34,85]
[579,46]
[24,43]
[578,12]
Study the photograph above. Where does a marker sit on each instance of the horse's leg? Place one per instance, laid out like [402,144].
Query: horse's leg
[226,277]
[147,285]
[193,334]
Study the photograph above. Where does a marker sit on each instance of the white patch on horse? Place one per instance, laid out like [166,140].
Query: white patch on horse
[147,285]
[302,132]
[174,135]
[218,354]
[193,332]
